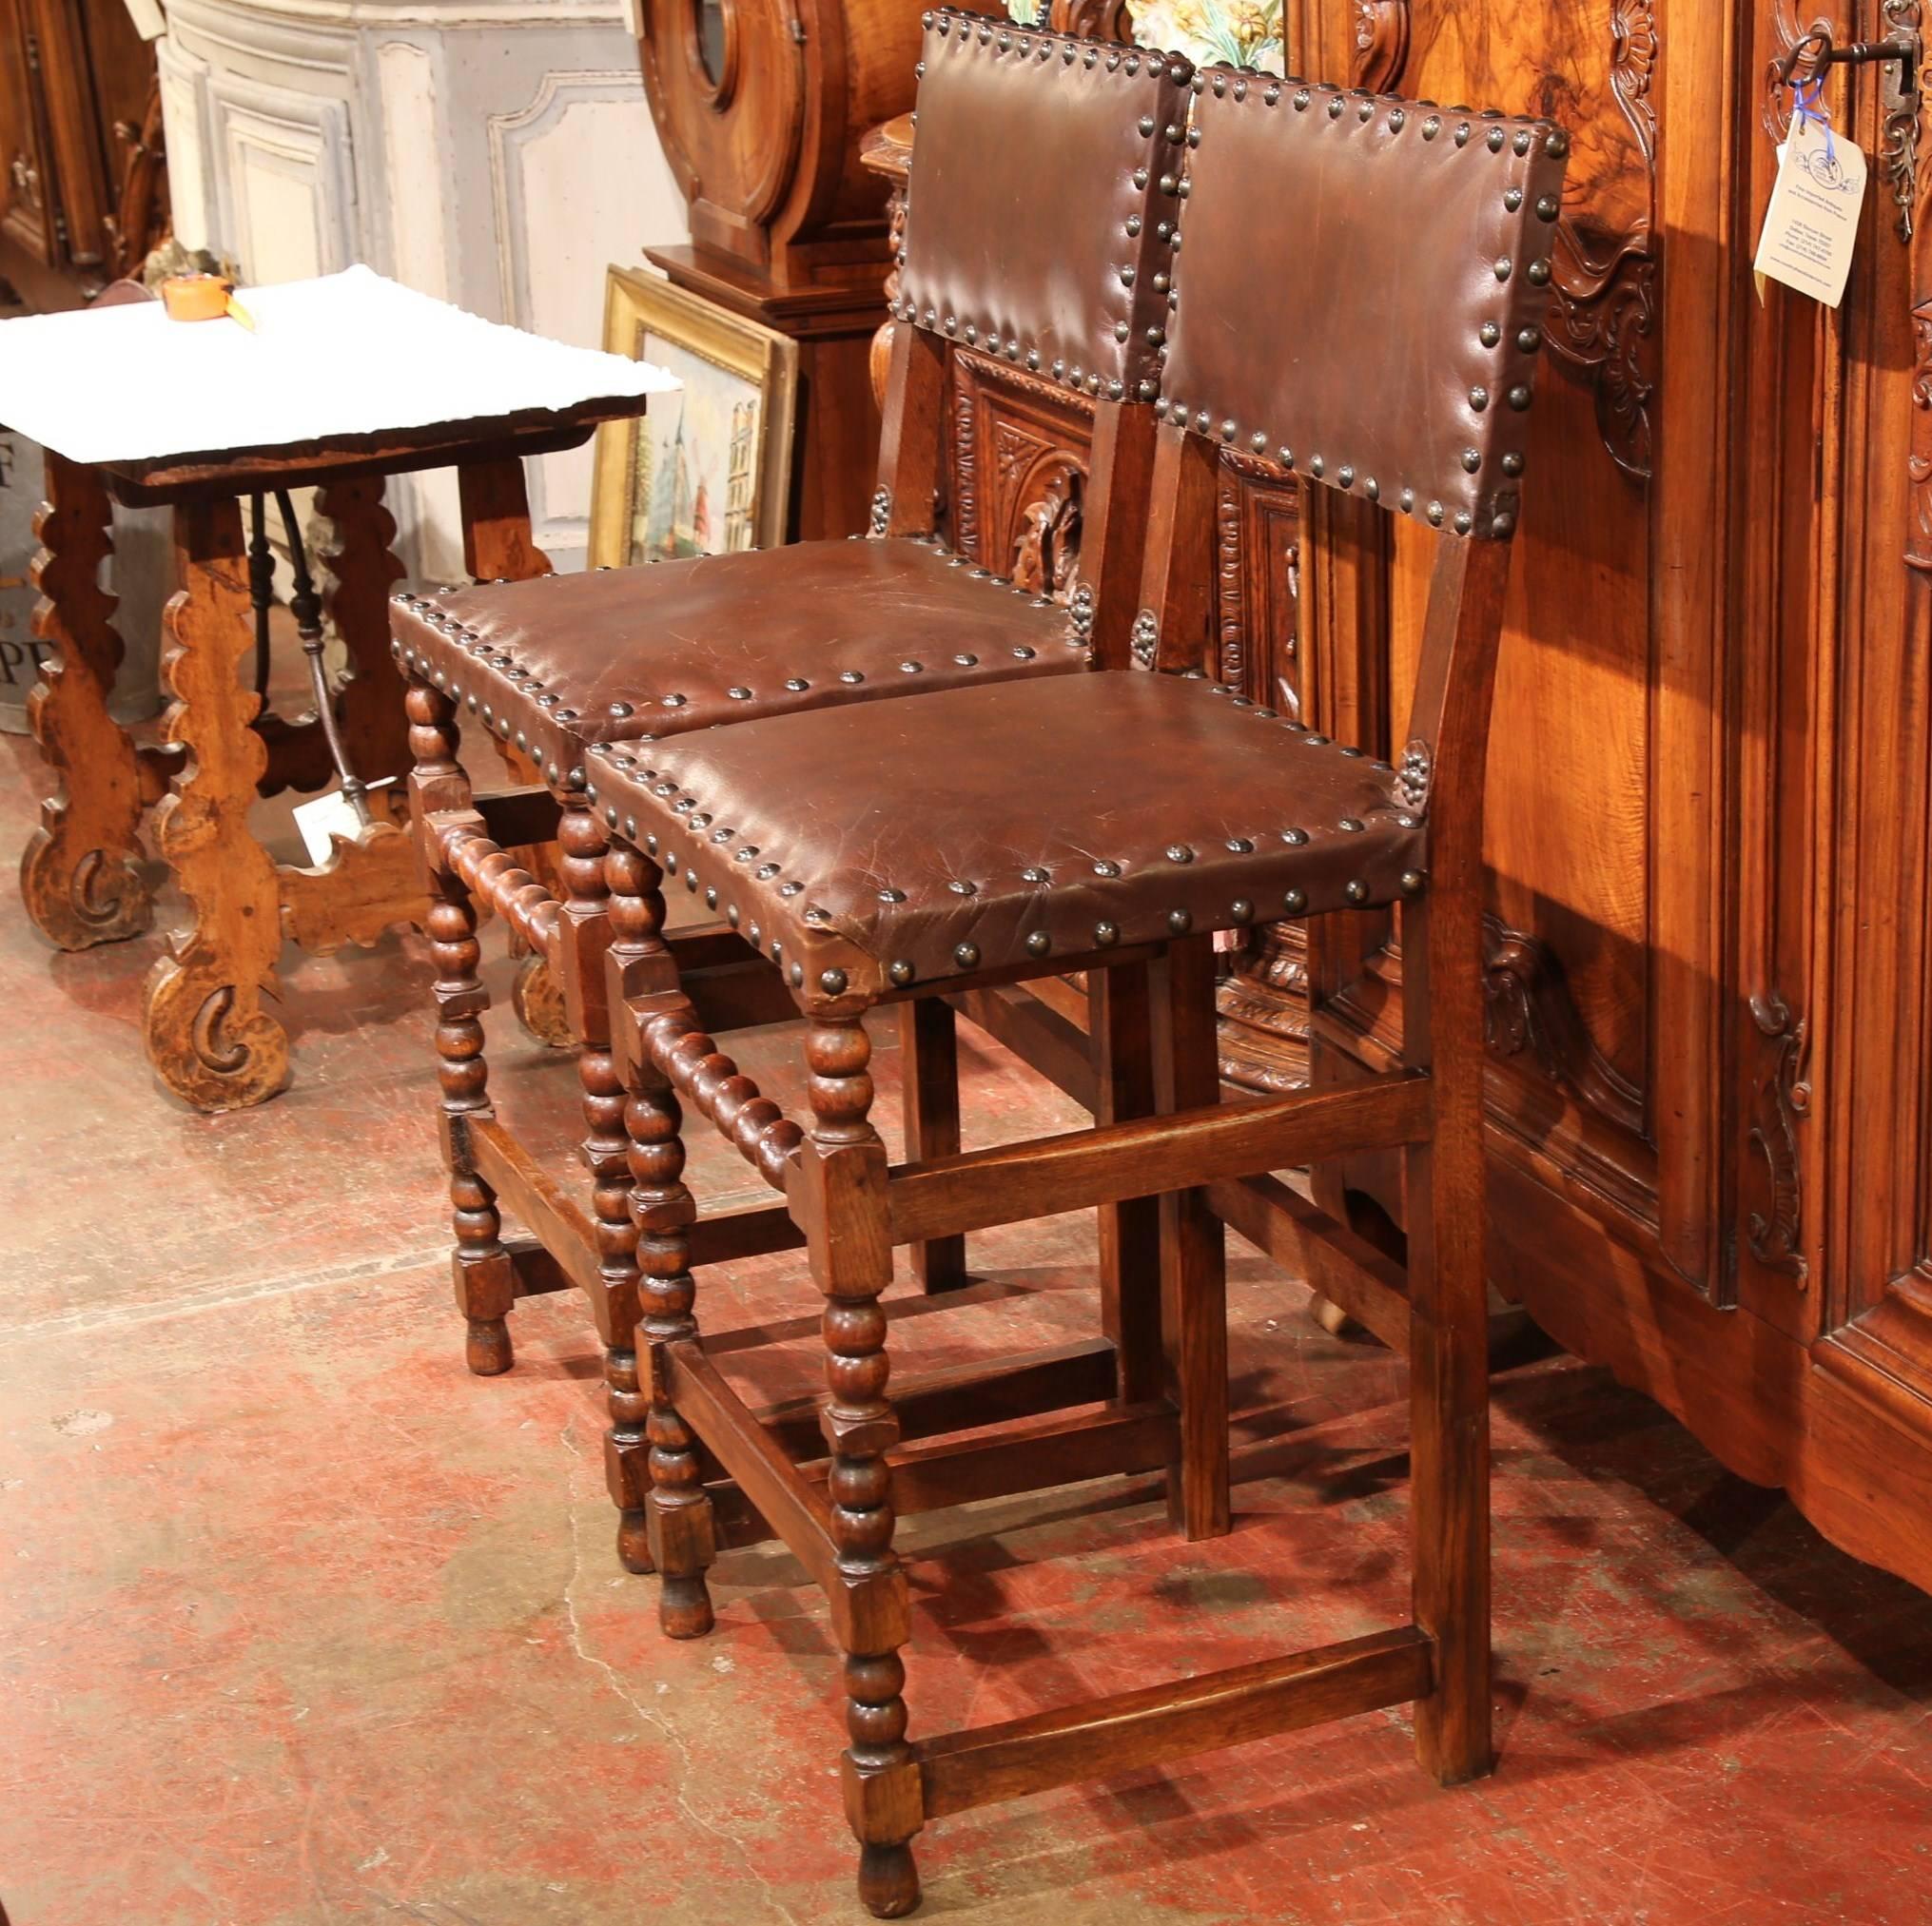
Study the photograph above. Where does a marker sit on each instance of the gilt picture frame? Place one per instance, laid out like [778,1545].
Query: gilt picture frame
[708,470]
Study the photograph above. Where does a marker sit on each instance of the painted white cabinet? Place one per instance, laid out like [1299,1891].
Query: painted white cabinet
[497,156]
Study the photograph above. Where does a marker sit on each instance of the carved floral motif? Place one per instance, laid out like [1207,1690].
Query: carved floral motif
[1381,43]
[1528,1011]
[1603,311]
[1919,462]
[1781,1099]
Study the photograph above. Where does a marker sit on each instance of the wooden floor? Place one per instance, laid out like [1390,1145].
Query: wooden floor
[302,1624]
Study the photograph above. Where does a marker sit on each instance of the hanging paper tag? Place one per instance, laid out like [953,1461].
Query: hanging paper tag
[149,21]
[329,817]
[1811,225]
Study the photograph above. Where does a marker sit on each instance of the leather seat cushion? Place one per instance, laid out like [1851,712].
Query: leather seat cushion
[1011,824]
[554,664]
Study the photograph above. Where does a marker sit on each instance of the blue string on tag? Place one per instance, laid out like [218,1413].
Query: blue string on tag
[1807,104]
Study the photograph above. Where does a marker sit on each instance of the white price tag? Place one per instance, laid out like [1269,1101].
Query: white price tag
[149,21]
[329,817]
[1811,225]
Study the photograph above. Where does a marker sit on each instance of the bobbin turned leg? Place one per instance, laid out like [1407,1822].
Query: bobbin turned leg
[851,1262]
[584,932]
[480,1267]
[682,1535]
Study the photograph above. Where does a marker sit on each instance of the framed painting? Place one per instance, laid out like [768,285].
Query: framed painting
[707,471]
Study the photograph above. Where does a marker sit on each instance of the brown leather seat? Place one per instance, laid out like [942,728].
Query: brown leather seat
[1001,825]
[554,664]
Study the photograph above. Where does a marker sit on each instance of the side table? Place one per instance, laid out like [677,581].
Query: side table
[208,1031]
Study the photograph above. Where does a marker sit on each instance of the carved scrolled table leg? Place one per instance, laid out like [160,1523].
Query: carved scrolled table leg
[79,875]
[208,1036]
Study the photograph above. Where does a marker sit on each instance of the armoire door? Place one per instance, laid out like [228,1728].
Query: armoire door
[1712,916]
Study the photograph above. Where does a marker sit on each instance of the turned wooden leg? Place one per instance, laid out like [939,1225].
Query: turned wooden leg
[479,1267]
[208,1035]
[79,874]
[585,928]
[1449,1337]
[1123,1031]
[682,1532]
[1193,1252]
[850,1250]
[928,1043]
[683,1537]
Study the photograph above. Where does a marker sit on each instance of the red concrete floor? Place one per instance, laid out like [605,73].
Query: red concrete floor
[305,1625]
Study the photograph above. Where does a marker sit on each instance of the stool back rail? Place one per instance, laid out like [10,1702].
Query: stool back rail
[1000,109]
[1406,245]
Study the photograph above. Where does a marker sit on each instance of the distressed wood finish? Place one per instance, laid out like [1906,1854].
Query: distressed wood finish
[208,1033]
[79,875]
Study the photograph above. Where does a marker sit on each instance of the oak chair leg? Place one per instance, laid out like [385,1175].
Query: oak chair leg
[1193,1252]
[479,1267]
[850,1245]
[930,1049]
[584,930]
[1121,1028]
[1449,1340]
[683,1535]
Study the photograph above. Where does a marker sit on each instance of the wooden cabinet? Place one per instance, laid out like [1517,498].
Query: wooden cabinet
[1710,834]
[1711,786]
[79,127]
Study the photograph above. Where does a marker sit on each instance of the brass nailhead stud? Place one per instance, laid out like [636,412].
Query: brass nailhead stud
[1039,943]
[1178,921]
[1241,909]
[1106,934]
[1356,892]
[1295,901]
[833,982]
[901,972]
[967,955]
[1412,881]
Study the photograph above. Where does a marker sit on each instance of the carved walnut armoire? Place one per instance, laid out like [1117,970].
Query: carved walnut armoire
[1710,841]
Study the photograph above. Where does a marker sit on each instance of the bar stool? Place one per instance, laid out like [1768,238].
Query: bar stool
[575,671]
[1360,288]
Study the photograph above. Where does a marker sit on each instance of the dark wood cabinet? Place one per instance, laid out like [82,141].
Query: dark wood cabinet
[80,140]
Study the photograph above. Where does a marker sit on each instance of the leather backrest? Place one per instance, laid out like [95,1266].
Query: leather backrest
[1041,205]
[1360,282]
